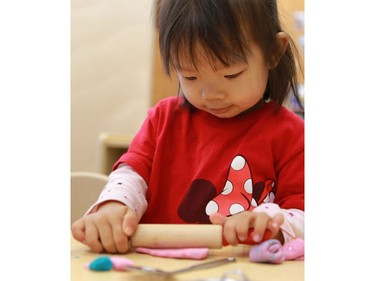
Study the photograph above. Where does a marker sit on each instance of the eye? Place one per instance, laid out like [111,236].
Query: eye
[190,78]
[232,76]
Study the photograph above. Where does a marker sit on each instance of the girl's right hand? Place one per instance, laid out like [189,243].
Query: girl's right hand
[108,229]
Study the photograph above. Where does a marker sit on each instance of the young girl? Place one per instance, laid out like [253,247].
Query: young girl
[225,151]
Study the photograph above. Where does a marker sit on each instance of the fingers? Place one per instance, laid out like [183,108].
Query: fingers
[230,232]
[106,237]
[113,237]
[86,233]
[217,218]
[276,222]
[123,229]
[229,227]
[260,225]
[113,234]
[237,227]
[107,229]
[78,231]
[120,239]
[275,226]
[92,237]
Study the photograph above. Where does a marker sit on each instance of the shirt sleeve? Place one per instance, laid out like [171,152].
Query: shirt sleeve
[294,220]
[140,155]
[125,186]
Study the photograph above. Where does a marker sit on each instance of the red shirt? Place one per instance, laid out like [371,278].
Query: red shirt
[195,163]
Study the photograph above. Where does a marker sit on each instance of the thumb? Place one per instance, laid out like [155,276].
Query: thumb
[217,218]
[130,222]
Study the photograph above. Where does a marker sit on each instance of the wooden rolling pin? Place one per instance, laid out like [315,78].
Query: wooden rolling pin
[183,236]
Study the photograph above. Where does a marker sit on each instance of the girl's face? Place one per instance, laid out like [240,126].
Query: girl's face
[224,91]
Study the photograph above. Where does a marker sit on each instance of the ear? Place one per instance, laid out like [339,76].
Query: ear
[282,42]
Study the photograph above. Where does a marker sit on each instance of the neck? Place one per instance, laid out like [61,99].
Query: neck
[256,106]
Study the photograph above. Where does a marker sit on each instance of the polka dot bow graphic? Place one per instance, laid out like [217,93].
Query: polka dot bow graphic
[239,193]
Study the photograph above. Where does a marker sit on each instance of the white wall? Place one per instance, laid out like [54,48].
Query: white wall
[111,63]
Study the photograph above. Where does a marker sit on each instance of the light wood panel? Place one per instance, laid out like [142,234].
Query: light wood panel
[162,85]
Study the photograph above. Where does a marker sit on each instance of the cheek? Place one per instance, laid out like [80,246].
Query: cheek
[263,73]
[188,90]
[250,92]
[184,90]
[258,82]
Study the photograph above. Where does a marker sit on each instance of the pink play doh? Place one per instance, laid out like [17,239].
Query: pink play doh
[270,251]
[186,253]
[295,249]
[120,263]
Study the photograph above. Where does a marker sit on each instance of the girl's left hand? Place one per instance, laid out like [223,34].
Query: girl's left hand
[236,228]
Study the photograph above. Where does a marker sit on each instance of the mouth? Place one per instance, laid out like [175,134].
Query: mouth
[218,111]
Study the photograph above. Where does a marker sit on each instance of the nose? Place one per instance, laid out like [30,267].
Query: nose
[212,92]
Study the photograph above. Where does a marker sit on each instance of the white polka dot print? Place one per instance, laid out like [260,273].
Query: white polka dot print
[238,163]
[228,188]
[212,207]
[248,186]
[236,208]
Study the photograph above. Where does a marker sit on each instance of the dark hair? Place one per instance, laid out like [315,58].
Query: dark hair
[224,29]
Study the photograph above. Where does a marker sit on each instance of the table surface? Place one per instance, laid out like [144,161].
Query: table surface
[288,270]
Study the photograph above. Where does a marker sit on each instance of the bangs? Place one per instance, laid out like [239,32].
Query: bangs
[198,29]
[195,52]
